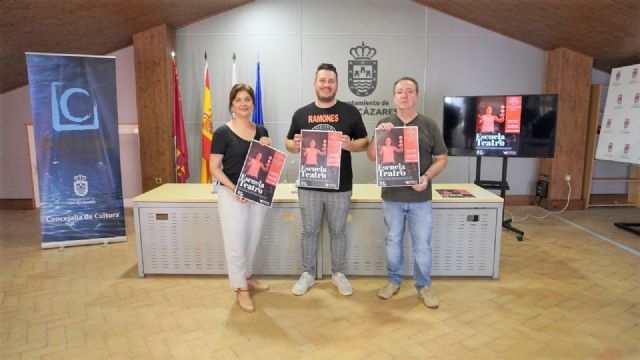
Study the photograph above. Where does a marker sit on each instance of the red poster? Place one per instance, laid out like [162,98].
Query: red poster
[277,164]
[260,173]
[334,148]
[397,157]
[320,155]
[514,110]
[410,141]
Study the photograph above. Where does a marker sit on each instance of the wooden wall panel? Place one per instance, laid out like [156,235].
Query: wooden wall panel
[154,90]
[590,151]
[569,75]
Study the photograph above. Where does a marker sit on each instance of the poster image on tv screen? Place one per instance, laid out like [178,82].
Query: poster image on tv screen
[501,125]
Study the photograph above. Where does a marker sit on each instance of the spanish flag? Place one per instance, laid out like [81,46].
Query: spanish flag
[207,128]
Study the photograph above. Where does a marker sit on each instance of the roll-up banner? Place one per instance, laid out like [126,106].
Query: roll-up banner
[619,138]
[75,122]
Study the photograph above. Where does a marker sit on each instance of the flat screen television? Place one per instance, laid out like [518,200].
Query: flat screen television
[508,125]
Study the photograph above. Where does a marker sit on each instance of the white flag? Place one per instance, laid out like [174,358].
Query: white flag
[234,76]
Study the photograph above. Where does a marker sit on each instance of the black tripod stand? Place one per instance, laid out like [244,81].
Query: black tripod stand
[503,185]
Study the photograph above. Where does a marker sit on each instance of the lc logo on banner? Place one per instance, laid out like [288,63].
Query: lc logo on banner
[75,122]
[87,118]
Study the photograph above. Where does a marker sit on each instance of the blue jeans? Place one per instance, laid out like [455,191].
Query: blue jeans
[417,215]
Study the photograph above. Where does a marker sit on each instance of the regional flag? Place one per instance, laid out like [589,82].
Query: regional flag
[207,127]
[180,141]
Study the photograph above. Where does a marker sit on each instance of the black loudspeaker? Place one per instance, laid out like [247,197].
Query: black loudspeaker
[541,189]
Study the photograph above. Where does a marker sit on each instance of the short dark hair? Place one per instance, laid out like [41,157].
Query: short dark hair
[241,87]
[409,78]
[327,66]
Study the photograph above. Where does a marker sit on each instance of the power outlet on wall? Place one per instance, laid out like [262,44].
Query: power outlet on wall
[567,177]
[158,180]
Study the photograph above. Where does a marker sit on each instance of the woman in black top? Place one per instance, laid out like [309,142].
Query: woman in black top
[240,219]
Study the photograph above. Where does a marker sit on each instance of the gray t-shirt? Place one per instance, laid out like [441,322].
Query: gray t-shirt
[430,143]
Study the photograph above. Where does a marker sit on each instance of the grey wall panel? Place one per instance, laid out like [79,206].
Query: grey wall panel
[279,58]
[362,17]
[447,56]
[463,59]
[396,55]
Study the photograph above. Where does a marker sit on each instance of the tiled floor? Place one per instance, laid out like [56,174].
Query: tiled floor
[562,294]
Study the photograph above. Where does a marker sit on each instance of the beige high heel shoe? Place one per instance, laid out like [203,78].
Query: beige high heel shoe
[256,285]
[245,304]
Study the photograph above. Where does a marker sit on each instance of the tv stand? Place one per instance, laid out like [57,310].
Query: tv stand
[503,185]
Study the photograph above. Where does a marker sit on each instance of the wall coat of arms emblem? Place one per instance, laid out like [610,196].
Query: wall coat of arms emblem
[363,71]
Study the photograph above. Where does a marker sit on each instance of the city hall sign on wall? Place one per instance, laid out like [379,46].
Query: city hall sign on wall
[363,71]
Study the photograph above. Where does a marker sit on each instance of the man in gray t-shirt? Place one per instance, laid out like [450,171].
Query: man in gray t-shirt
[411,203]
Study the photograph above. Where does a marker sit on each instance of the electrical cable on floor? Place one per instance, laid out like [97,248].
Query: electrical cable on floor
[546,212]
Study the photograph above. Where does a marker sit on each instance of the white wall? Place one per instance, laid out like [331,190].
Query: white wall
[447,56]
[15,114]
[291,37]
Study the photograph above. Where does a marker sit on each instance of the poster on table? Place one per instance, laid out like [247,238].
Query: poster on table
[455,193]
[397,156]
[320,155]
[260,173]
[75,122]
[619,138]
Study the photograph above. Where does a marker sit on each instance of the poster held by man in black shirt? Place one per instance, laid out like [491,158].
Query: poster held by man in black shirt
[320,159]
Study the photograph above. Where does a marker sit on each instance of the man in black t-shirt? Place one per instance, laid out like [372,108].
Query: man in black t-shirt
[328,114]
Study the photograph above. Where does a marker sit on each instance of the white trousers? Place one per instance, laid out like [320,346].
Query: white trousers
[241,227]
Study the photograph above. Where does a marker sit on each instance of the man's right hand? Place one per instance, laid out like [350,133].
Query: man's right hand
[297,138]
[385,126]
[293,145]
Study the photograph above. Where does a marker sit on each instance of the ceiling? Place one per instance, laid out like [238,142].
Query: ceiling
[609,31]
[94,27]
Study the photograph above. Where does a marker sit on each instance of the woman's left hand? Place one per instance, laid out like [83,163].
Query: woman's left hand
[241,199]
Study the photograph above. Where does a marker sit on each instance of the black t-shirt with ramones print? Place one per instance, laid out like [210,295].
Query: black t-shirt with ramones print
[341,117]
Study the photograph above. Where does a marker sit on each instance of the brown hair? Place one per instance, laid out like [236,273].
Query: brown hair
[241,87]
[326,66]
[406,78]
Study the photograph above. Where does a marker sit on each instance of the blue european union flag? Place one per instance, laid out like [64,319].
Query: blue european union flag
[257,109]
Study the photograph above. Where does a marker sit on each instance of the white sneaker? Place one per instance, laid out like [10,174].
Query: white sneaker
[303,284]
[340,281]
[388,291]
[429,297]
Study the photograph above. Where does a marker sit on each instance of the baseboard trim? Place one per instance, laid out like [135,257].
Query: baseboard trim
[518,200]
[17,204]
[559,204]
